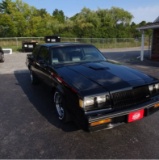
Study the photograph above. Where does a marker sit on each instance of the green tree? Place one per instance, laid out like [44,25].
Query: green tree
[120,16]
[19,19]
[85,23]
[68,29]
[59,15]
[5,6]
[114,22]
[7,27]
[42,12]
[133,31]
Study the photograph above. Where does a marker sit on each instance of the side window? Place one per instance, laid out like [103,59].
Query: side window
[43,54]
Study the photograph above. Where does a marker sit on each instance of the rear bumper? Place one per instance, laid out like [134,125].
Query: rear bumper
[120,117]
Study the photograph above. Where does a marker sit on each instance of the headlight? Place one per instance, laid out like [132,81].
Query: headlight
[154,88]
[150,88]
[93,102]
[157,86]
[89,101]
[101,99]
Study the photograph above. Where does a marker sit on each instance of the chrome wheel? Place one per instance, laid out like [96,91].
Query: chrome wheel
[58,100]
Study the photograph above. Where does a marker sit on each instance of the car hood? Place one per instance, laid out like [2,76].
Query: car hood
[97,77]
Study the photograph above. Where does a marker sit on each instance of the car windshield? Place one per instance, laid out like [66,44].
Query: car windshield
[76,54]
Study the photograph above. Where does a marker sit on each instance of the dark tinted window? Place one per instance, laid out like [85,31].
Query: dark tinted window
[75,54]
[43,54]
[36,51]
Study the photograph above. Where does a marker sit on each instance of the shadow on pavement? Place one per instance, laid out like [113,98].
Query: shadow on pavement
[41,98]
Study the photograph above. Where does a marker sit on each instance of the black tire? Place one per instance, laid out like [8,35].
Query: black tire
[60,107]
[34,80]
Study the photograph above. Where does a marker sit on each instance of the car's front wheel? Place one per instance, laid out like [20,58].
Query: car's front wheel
[61,110]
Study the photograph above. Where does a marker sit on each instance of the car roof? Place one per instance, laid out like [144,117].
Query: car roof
[60,44]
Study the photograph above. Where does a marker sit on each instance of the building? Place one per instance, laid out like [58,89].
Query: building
[155,39]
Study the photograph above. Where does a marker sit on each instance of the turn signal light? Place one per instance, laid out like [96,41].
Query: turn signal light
[156,105]
[100,122]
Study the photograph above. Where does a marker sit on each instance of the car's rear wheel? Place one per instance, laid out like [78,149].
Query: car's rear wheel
[33,79]
[61,110]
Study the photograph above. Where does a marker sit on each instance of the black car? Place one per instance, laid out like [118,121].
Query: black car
[90,90]
[1,55]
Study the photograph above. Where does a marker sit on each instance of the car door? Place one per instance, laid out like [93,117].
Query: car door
[35,64]
[43,64]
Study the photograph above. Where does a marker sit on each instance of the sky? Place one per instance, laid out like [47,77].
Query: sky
[142,10]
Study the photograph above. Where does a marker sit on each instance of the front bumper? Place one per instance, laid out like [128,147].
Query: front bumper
[120,117]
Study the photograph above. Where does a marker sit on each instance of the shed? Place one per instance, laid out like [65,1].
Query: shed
[155,39]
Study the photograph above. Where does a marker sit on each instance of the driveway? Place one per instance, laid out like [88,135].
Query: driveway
[29,127]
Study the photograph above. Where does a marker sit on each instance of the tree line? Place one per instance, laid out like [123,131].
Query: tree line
[18,19]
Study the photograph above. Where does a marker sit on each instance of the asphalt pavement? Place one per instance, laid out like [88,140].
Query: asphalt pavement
[30,129]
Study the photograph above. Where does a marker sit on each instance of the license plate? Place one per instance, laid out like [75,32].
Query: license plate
[137,115]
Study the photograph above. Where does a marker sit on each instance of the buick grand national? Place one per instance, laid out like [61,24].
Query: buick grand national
[88,89]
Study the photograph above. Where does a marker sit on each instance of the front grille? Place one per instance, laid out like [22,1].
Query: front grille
[125,99]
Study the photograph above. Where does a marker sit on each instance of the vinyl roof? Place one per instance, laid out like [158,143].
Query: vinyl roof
[56,43]
[62,44]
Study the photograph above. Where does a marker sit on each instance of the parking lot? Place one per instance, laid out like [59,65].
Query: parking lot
[30,129]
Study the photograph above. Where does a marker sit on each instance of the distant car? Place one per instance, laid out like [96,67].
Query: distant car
[88,89]
[1,55]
